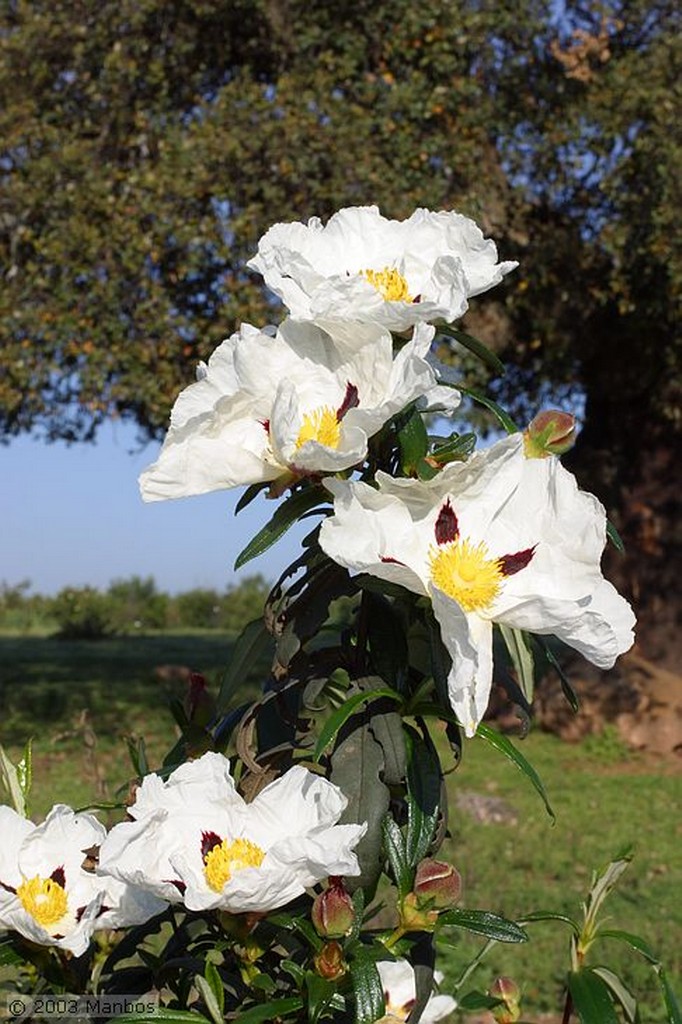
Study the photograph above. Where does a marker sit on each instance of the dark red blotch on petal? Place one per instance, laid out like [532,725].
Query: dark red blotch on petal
[208,841]
[350,401]
[58,876]
[509,564]
[390,560]
[447,528]
[180,886]
[265,424]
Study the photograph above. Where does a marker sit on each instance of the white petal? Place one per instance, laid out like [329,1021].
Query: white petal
[469,641]
[317,855]
[293,805]
[14,829]
[61,841]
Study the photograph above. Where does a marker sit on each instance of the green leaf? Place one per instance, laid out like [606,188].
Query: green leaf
[288,513]
[387,727]
[614,537]
[269,1011]
[542,915]
[621,992]
[357,766]
[503,417]
[251,492]
[208,995]
[483,922]
[367,989]
[212,976]
[591,998]
[396,853]
[602,886]
[518,643]
[250,645]
[671,1003]
[634,941]
[413,440]
[478,1001]
[387,641]
[342,714]
[8,954]
[506,747]
[474,346]
[457,448]
[320,993]
[163,1016]
[9,776]
[25,771]
[569,692]
[423,794]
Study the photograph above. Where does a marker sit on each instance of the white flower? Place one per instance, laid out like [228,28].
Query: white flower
[397,979]
[45,892]
[304,401]
[194,839]
[362,266]
[500,538]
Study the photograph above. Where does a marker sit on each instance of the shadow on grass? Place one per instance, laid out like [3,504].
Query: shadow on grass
[45,681]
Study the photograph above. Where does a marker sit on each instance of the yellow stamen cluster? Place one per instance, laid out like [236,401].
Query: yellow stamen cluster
[227,857]
[464,572]
[44,899]
[321,425]
[390,283]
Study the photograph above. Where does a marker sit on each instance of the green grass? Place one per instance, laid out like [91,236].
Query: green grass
[603,796]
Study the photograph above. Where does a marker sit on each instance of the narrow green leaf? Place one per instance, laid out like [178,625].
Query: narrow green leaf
[569,692]
[387,641]
[162,1016]
[342,714]
[483,922]
[634,941]
[25,771]
[396,853]
[212,976]
[423,794]
[614,537]
[542,915]
[506,747]
[249,646]
[320,993]
[518,644]
[208,995]
[251,492]
[8,954]
[413,440]
[269,1011]
[671,1003]
[621,992]
[474,346]
[477,1001]
[591,998]
[367,989]
[457,448]
[288,513]
[9,776]
[503,417]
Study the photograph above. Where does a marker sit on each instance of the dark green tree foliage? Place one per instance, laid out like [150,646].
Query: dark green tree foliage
[146,145]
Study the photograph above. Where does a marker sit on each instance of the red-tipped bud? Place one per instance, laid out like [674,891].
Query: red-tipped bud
[333,913]
[507,990]
[330,963]
[551,432]
[199,704]
[437,885]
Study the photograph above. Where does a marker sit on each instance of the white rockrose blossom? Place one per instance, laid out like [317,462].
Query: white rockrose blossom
[397,979]
[499,538]
[193,839]
[302,401]
[46,893]
[362,266]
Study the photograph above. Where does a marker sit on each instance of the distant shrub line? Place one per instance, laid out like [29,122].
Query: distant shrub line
[129,606]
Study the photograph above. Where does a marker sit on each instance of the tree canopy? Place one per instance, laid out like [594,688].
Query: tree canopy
[147,144]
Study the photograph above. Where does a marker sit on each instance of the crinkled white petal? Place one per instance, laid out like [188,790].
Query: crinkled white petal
[317,270]
[207,778]
[469,642]
[293,804]
[124,905]
[61,841]
[14,829]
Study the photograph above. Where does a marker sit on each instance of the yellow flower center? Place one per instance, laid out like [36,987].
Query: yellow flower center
[464,572]
[228,857]
[320,425]
[390,283]
[44,899]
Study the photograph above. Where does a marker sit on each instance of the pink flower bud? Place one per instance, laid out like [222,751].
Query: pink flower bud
[551,432]
[437,885]
[507,990]
[330,963]
[333,913]
[199,704]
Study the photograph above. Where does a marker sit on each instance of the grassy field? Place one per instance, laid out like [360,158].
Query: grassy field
[514,861]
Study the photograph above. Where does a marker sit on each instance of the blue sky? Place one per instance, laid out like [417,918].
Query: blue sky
[73,516]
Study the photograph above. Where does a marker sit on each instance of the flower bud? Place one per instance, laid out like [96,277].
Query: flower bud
[551,432]
[330,963]
[437,885]
[415,919]
[507,990]
[199,705]
[333,913]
